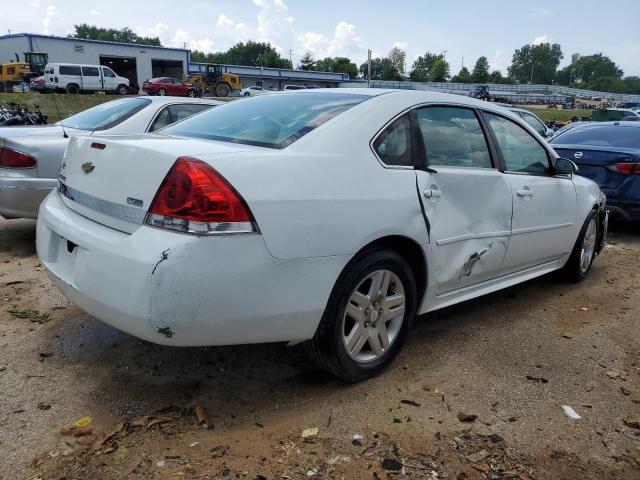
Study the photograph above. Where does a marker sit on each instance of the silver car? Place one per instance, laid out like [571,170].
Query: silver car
[534,121]
[30,157]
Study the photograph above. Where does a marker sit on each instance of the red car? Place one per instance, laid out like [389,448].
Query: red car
[169,86]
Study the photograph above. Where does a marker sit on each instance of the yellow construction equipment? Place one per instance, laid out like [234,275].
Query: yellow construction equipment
[16,72]
[214,81]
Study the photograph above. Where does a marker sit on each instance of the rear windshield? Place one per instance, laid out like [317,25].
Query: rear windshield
[602,136]
[107,115]
[274,121]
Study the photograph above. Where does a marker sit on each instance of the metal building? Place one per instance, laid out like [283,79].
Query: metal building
[276,78]
[135,62]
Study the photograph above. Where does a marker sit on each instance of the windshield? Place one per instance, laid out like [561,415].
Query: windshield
[273,121]
[601,136]
[107,115]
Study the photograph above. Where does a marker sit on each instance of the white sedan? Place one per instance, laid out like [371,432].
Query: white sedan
[254,91]
[30,156]
[329,217]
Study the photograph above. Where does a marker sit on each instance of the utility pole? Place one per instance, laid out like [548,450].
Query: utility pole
[368,68]
[462,62]
[291,57]
[444,54]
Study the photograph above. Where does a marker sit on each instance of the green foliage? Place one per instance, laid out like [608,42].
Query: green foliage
[307,62]
[597,72]
[381,69]
[397,57]
[439,72]
[536,63]
[421,66]
[464,76]
[255,54]
[125,35]
[480,73]
[338,65]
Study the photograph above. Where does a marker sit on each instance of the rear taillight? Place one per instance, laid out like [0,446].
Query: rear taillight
[194,198]
[13,159]
[627,168]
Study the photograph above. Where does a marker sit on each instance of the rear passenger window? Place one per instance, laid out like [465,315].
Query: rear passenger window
[180,112]
[393,145]
[90,72]
[520,150]
[453,137]
[69,70]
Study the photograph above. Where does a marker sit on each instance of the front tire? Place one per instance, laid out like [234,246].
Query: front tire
[122,90]
[367,316]
[222,90]
[584,251]
[161,92]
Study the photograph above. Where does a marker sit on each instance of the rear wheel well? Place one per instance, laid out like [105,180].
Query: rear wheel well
[411,251]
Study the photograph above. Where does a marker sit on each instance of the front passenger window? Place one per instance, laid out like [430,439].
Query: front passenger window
[393,146]
[520,150]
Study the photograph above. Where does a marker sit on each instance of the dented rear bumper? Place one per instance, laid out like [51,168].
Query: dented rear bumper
[182,290]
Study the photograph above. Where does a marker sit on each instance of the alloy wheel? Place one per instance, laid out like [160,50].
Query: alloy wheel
[373,316]
[588,246]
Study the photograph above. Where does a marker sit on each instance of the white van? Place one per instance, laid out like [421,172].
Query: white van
[75,78]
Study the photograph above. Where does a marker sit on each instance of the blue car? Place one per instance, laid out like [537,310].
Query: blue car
[609,154]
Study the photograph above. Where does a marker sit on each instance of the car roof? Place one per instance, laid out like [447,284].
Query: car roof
[615,123]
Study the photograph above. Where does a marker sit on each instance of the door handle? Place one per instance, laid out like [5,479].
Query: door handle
[432,193]
[525,192]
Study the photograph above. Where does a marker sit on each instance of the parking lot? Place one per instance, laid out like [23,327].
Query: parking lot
[512,358]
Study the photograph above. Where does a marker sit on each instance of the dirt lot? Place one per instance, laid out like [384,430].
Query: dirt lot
[512,358]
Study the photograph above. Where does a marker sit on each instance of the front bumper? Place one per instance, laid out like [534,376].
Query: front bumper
[20,197]
[183,290]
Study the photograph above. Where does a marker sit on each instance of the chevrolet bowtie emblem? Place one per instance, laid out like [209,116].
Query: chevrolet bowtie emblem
[87,167]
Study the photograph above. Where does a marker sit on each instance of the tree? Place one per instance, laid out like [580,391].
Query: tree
[126,35]
[381,69]
[463,76]
[536,63]
[439,72]
[337,64]
[397,57]
[307,62]
[480,73]
[421,66]
[495,77]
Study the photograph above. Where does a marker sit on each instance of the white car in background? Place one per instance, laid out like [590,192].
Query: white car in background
[30,156]
[330,217]
[76,78]
[254,91]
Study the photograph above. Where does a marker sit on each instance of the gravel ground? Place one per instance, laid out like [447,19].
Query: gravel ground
[512,358]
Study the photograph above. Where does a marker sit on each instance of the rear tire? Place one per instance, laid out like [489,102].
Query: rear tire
[73,88]
[247,94]
[364,327]
[584,251]
[192,94]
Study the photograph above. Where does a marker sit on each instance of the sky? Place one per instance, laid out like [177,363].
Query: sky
[464,29]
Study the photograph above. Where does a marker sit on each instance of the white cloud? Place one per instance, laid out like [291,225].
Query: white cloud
[95,13]
[401,45]
[540,12]
[50,18]
[499,61]
[541,39]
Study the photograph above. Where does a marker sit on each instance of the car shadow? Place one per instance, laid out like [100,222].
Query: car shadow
[17,238]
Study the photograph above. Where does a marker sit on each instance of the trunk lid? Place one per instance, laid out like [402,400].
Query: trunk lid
[597,163]
[113,179]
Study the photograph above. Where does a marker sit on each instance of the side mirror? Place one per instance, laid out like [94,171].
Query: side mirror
[549,133]
[565,166]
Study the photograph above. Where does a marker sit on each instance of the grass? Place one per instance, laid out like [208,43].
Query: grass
[547,114]
[66,104]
